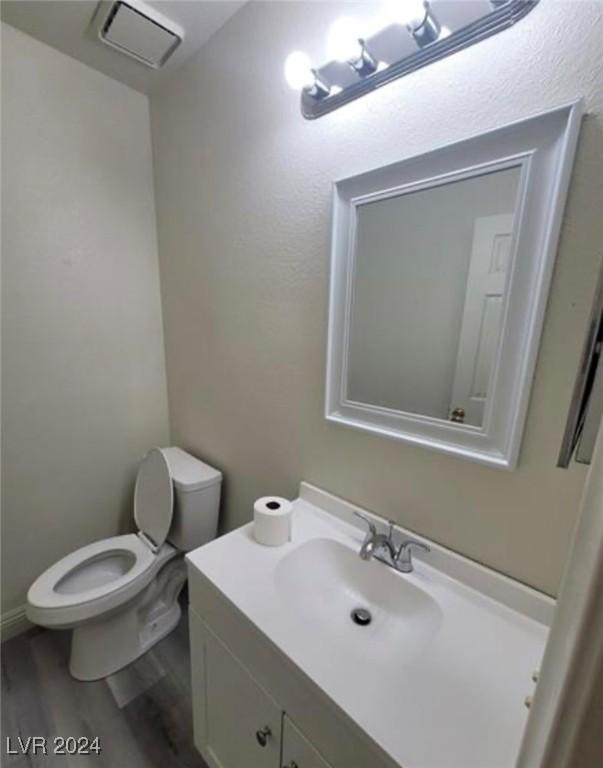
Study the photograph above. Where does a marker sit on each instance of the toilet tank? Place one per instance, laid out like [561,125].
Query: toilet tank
[196,500]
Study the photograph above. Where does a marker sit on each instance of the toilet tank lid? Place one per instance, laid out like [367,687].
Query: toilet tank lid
[189,473]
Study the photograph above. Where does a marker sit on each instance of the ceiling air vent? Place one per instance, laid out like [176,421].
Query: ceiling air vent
[139,31]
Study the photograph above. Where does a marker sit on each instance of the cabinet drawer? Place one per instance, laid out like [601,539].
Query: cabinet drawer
[297,750]
[243,723]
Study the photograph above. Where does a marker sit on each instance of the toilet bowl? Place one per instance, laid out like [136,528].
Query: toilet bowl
[120,595]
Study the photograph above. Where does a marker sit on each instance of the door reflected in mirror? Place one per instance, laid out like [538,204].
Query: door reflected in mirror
[429,276]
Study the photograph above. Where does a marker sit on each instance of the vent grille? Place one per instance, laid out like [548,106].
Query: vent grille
[137,31]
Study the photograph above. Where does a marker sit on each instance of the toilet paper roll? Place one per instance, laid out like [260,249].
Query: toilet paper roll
[272,521]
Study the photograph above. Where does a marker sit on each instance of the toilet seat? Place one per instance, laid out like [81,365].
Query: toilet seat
[94,579]
[103,575]
[154,498]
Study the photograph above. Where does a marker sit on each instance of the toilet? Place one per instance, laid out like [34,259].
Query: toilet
[120,595]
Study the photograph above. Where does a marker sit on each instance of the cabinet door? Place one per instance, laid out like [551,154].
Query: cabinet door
[297,750]
[243,722]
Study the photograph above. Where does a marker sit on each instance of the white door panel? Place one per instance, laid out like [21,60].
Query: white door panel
[480,328]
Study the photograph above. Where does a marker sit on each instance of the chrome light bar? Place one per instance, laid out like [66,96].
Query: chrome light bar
[435,29]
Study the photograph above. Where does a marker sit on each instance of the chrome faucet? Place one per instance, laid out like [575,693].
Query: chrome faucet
[382,547]
[374,541]
[404,555]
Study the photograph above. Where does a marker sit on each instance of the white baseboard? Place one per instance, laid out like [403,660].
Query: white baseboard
[13,623]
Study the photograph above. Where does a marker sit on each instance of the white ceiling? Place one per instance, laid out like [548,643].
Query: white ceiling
[66,25]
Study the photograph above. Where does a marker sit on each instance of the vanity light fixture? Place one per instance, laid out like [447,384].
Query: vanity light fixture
[418,18]
[345,45]
[428,31]
[365,64]
[343,39]
[300,75]
[410,35]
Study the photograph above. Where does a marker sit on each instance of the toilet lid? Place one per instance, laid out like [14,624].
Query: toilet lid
[154,497]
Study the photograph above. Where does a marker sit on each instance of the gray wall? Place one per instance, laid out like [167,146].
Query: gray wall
[243,188]
[82,346]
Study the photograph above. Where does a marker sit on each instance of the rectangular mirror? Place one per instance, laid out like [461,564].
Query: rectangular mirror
[429,283]
[440,271]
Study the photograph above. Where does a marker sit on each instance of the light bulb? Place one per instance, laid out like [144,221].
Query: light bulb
[407,12]
[298,71]
[343,40]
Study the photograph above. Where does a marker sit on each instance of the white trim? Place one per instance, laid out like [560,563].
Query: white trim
[14,623]
[575,647]
[543,147]
[442,179]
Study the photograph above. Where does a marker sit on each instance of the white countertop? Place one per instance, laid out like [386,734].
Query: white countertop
[451,698]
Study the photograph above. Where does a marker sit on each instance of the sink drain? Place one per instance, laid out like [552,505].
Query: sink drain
[361,616]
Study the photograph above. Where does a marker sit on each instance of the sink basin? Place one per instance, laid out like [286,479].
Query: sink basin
[323,581]
[450,648]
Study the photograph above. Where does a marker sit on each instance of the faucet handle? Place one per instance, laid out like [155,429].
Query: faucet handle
[409,543]
[371,526]
[404,554]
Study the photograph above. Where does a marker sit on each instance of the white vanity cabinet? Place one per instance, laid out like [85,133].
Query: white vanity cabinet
[298,752]
[243,723]
[237,723]
[253,707]
[275,644]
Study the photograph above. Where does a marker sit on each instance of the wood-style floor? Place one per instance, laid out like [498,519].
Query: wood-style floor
[141,715]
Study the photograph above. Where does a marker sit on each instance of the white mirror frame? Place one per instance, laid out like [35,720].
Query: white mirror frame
[543,148]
